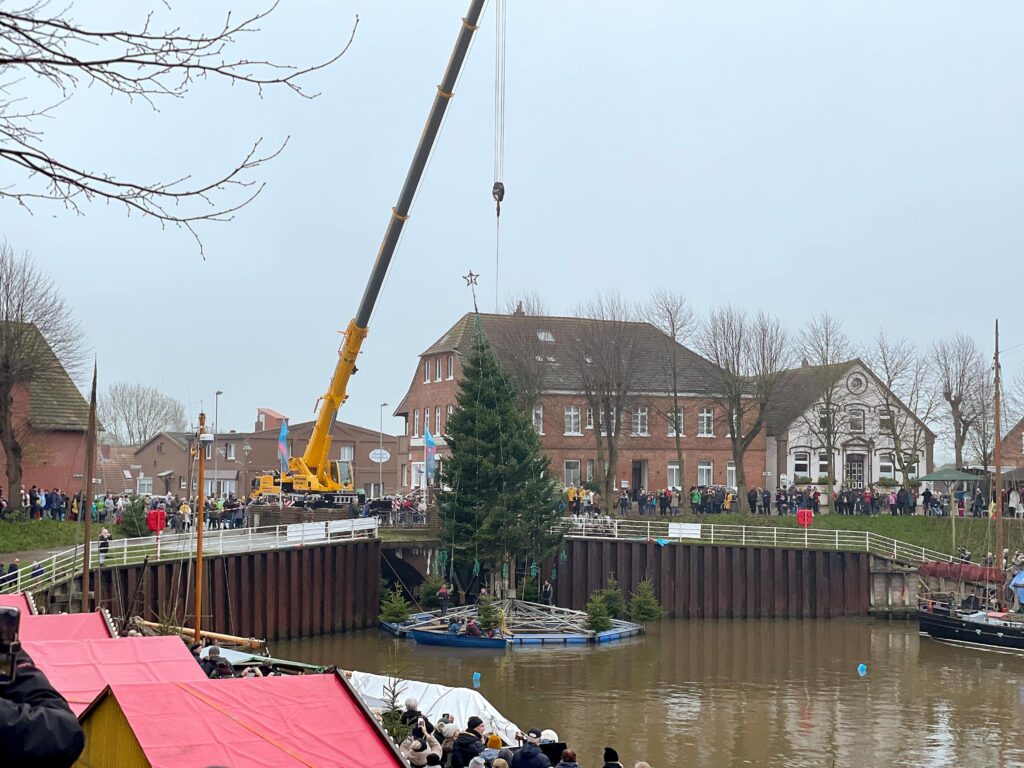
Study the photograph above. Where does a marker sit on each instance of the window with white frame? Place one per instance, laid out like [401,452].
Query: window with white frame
[144,485]
[426,371]
[822,465]
[857,421]
[437,419]
[229,451]
[590,417]
[614,422]
[572,472]
[885,423]
[705,472]
[572,420]
[546,336]
[208,451]
[448,416]
[823,420]
[416,423]
[451,366]
[730,474]
[801,464]
[538,419]
[675,423]
[911,462]
[347,453]
[706,424]
[675,479]
[590,470]
[437,369]
[227,487]
[640,422]
[181,482]
[886,467]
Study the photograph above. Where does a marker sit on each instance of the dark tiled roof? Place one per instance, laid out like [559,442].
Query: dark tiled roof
[556,340]
[54,401]
[797,390]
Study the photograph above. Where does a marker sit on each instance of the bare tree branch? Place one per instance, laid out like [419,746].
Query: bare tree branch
[133,413]
[146,65]
[957,367]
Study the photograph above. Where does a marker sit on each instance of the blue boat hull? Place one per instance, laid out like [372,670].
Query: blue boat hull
[456,641]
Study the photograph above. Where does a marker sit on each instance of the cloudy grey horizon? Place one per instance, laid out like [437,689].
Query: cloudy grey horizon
[862,158]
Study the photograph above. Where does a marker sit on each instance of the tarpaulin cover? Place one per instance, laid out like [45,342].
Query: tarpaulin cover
[277,722]
[64,626]
[961,572]
[434,700]
[81,669]
[18,601]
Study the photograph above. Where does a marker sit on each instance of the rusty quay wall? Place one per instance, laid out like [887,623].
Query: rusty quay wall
[719,582]
[277,595]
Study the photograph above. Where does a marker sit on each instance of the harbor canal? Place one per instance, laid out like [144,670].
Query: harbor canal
[725,693]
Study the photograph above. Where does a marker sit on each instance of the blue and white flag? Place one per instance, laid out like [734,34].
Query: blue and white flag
[429,454]
[282,446]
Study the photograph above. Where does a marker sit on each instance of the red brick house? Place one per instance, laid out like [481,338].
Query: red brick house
[647,451]
[50,419]
[1013,447]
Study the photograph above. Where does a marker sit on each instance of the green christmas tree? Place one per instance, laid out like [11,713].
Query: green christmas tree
[487,614]
[613,599]
[500,497]
[644,605]
[598,619]
[394,608]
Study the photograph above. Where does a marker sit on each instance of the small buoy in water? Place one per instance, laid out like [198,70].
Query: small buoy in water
[476,679]
[862,669]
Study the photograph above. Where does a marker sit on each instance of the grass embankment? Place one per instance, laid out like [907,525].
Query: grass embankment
[408,534]
[40,535]
[975,533]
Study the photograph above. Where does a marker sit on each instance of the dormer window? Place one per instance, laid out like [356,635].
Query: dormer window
[546,336]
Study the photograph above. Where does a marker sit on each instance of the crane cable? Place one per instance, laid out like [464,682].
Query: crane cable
[498,189]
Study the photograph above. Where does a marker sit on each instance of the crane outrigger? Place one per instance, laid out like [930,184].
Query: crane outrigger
[313,474]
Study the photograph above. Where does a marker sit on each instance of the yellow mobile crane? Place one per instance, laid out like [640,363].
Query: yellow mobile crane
[313,474]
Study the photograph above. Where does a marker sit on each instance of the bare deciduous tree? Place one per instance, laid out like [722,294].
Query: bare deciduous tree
[958,366]
[607,361]
[41,44]
[980,399]
[826,350]
[37,334]
[909,400]
[751,355]
[671,314]
[522,352]
[133,413]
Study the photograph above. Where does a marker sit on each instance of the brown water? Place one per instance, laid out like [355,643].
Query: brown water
[757,693]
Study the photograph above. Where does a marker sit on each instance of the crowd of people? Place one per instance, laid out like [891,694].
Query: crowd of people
[446,744]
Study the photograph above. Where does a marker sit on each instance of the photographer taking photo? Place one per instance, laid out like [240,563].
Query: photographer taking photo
[37,727]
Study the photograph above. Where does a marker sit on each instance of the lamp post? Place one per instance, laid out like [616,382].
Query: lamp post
[216,431]
[380,464]
[246,452]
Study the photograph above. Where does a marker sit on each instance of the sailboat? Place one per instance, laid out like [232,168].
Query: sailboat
[981,620]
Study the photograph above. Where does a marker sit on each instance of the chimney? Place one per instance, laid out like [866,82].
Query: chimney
[520,312]
[804,363]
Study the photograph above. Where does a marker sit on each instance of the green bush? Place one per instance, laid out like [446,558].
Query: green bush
[598,619]
[531,593]
[613,599]
[428,592]
[802,480]
[824,479]
[644,605]
[133,520]
[885,482]
[394,608]
[487,614]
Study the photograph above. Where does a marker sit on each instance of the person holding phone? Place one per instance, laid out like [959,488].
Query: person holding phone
[37,727]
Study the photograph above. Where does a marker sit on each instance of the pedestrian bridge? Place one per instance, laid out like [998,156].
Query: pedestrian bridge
[66,565]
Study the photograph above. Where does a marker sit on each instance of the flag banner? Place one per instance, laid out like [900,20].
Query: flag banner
[282,446]
[429,454]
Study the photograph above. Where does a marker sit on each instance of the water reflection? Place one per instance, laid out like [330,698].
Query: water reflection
[737,693]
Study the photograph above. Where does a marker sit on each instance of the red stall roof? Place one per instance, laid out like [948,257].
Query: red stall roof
[17,601]
[81,669]
[64,626]
[277,722]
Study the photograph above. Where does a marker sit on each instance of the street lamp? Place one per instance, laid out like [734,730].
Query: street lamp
[246,451]
[216,430]
[380,464]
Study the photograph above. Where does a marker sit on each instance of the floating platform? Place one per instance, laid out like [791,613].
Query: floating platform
[401,630]
[523,623]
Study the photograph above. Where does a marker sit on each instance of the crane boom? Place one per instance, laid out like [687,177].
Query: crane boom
[314,462]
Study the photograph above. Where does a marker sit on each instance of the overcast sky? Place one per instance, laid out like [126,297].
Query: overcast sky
[861,157]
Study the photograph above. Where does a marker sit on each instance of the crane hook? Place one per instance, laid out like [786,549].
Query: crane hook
[498,193]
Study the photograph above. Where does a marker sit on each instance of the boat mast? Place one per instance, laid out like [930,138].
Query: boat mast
[998,459]
[90,458]
[198,520]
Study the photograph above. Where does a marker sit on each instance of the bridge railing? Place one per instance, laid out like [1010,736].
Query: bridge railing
[175,546]
[750,536]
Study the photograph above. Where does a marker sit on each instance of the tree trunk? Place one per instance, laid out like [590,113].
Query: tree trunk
[679,441]
[9,441]
[741,481]
[959,435]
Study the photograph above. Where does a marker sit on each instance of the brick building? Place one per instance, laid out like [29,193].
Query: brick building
[50,419]
[235,458]
[1013,447]
[647,450]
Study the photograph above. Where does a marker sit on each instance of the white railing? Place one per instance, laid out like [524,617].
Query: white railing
[174,546]
[751,536]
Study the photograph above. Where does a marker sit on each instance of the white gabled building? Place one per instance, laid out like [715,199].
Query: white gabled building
[867,447]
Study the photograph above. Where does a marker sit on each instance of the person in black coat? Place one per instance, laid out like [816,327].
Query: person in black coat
[468,744]
[37,727]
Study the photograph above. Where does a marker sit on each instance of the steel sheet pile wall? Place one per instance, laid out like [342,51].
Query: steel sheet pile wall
[717,582]
[276,595]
